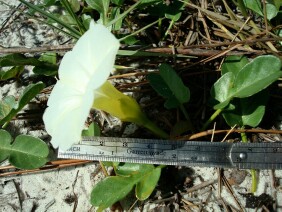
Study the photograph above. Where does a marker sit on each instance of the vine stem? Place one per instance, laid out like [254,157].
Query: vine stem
[155,129]
[184,111]
[253,171]
[213,116]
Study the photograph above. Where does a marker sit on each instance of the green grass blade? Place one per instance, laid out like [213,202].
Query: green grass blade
[67,6]
[76,33]
[123,14]
[140,30]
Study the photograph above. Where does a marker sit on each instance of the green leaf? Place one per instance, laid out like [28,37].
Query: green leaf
[93,130]
[46,64]
[49,64]
[5,140]
[222,88]
[6,106]
[49,57]
[169,85]
[180,127]
[271,11]
[248,111]
[257,75]
[173,10]
[75,6]
[251,79]
[86,19]
[118,2]
[113,189]
[49,3]
[110,190]
[254,5]
[102,6]
[272,7]
[72,6]
[28,94]
[127,169]
[11,73]
[115,14]
[146,186]
[17,60]
[26,152]
[233,64]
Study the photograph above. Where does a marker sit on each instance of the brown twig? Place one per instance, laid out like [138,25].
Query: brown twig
[194,50]
[209,132]
[49,166]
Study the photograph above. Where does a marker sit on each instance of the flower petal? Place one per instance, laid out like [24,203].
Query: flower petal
[65,117]
[92,58]
[82,70]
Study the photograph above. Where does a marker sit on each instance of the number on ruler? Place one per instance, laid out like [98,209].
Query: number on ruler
[124,144]
[102,143]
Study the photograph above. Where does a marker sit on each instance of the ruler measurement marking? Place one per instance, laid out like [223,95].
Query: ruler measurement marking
[257,155]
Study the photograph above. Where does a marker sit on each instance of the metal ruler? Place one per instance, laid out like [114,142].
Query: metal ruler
[183,153]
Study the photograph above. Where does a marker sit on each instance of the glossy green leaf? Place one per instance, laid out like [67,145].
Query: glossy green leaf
[251,79]
[272,7]
[147,184]
[6,106]
[222,90]
[49,57]
[127,169]
[257,75]
[248,111]
[93,130]
[254,5]
[28,94]
[111,190]
[26,152]
[169,85]
[11,73]
[233,64]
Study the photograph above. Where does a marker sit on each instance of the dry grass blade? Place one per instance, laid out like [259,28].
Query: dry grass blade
[230,190]
[58,164]
[209,132]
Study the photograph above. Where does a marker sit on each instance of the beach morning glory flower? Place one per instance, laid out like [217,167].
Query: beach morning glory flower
[82,71]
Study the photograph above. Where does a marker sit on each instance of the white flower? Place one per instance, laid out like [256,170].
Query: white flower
[82,70]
